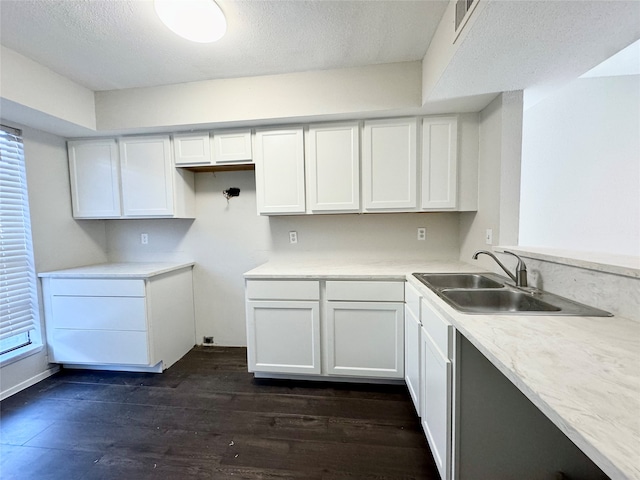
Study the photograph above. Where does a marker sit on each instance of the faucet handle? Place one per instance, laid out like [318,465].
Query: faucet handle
[521,271]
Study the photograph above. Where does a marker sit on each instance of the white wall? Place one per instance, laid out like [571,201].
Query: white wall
[286,97]
[36,94]
[581,168]
[227,240]
[498,178]
[58,240]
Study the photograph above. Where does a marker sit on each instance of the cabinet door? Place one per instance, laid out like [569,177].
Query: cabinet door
[389,166]
[365,339]
[436,403]
[283,337]
[232,147]
[147,176]
[439,163]
[412,357]
[280,171]
[94,170]
[333,168]
[192,148]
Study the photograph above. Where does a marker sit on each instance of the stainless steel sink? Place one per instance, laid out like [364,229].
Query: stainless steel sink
[457,280]
[496,301]
[487,293]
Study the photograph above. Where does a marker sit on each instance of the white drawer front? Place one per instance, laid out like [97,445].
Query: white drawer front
[86,346]
[440,331]
[98,287]
[99,313]
[365,291]
[283,290]
[412,300]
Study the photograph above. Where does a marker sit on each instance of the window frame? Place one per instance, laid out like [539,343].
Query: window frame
[18,352]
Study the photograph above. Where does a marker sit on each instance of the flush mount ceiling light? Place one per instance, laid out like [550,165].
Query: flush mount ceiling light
[200,21]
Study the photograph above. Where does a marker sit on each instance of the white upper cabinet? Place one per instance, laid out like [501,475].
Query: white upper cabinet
[132,177]
[389,165]
[224,147]
[94,170]
[151,186]
[439,163]
[192,149]
[232,146]
[279,158]
[333,168]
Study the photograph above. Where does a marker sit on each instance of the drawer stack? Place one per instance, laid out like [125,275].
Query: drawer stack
[99,321]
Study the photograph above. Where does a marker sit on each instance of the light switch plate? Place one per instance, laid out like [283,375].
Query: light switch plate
[488,237]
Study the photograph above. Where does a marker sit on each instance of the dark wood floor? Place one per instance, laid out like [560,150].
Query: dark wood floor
[204,418]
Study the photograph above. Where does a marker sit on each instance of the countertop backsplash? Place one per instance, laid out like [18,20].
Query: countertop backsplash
[618,294]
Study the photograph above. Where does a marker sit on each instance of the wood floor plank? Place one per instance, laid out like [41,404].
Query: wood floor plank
[208,418]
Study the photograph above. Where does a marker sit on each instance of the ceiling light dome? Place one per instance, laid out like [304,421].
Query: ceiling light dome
[200,21]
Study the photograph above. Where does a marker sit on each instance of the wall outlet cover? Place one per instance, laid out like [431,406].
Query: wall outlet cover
[488,238]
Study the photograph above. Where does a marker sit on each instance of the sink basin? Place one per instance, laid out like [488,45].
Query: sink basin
[496,301]
[457,280]
[487,293]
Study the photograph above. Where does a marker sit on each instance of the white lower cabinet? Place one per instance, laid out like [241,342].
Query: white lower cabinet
[365,339]
[121,323]
[283,326]
[412,333]
[365,328]
[436,370]
[284,337]
[360,332]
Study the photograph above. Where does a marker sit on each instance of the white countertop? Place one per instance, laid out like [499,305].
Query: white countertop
[583,373]
[358,269]
[118,270]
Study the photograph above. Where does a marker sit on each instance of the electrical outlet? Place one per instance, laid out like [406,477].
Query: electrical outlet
[293,237]
[488,237]
[144,238]
[422,233]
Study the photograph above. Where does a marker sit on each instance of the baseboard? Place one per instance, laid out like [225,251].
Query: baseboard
[330,379]
[157,368]
[29,382]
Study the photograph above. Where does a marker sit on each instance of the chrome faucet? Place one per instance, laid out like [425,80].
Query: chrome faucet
[521,269]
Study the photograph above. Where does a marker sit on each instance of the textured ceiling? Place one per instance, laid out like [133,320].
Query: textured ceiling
[537,45]
[115,44]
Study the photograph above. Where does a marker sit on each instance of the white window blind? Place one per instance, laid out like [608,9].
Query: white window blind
[18,297]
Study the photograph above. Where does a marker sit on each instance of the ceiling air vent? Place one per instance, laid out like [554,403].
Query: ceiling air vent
[464,8]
